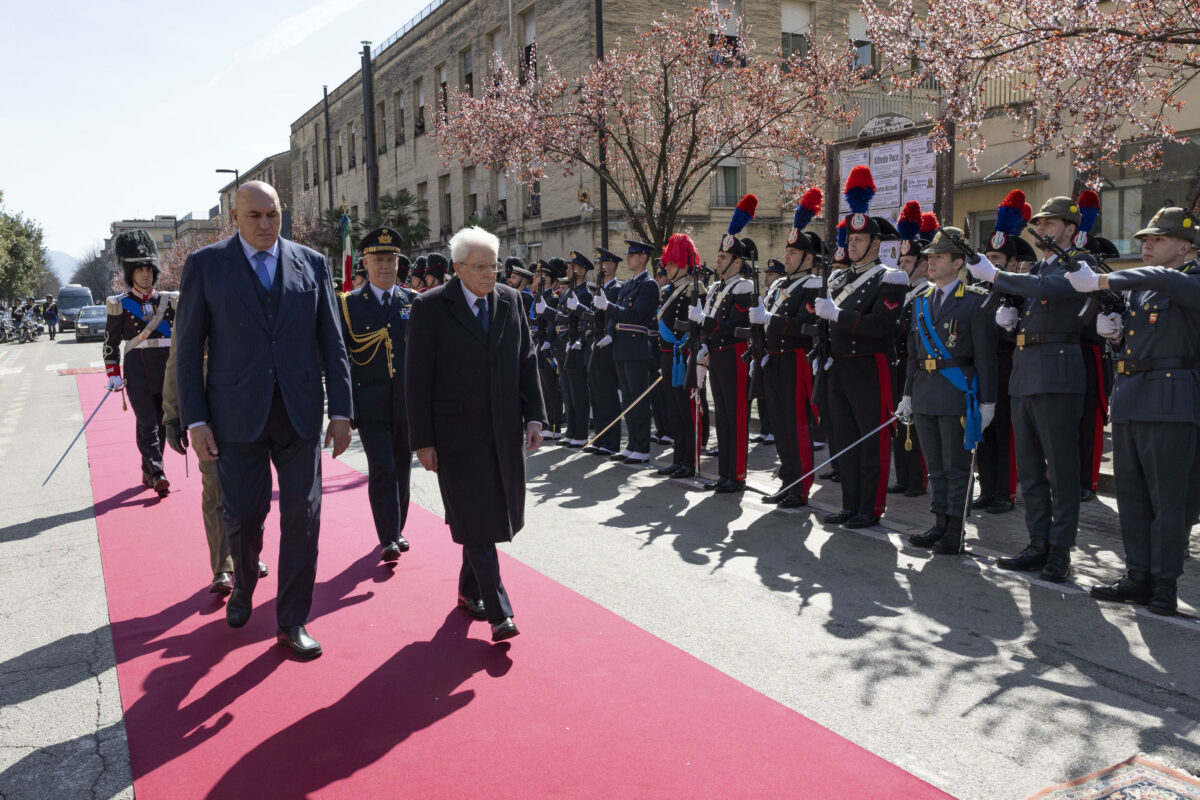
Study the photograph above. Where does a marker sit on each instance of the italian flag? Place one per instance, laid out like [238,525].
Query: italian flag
[347,255]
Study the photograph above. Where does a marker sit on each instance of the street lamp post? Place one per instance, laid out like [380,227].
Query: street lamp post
[237,178]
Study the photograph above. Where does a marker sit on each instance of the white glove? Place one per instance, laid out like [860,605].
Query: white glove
[600,302]
[987,412]
[984,270]
[765,357]
[1006,317]
[701,374]
[759,315]
[572,303]
[1084,279]
[696,314]
[605,342]
[115,383]
[827,309]
[576,345]
[904,407]
[545,346]
[1109,325]
[703,354]
[539,307]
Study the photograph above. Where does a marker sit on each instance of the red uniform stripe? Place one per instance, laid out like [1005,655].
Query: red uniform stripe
[803,438]
[742,411]
[885,435]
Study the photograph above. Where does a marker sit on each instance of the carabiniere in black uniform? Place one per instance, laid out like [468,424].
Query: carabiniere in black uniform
[374,324]
[143,323]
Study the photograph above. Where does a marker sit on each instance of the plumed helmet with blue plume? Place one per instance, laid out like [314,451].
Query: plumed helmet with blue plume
[743,214]
[859,189]
[1089,210]
[810,206]
[1010,214]
[909,223]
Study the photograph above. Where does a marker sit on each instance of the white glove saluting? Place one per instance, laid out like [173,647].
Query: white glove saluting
[987,412]
[605,342]
[572,303]
[576,345]
[115,383]
[1006,317]
[1109,325]
[545,346]
[984,270]
[904,407]
[539,307]
[1084,279]
[759,315]
[696,313]
[600,302]
[827,309]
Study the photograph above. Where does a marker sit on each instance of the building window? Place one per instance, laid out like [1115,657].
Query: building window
[796,22]
[350,138]
[472,194]
[497,40]
[864,51]
[528,47]
[533,202]
[304,167]
[419,115]
[728,183]
[1130,197]
[398,118]
[443,90]
[444,205]
[468,72]
[353,212]
[423,196]
[502,197]
[341,136]
[381,127]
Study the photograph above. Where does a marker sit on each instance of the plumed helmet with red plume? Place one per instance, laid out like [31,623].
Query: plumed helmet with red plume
[929,225]
[859,189]
[909,223]
[1010,214]
[681,249]
[810,206]
[1089,210]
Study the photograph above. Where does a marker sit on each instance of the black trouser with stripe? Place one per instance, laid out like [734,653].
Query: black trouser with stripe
[859,398]
[681,414]
[787,386]
[729,376]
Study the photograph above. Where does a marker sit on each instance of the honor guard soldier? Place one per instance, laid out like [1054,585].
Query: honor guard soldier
[790,324]
[863,309]
[950,389]
[520,277]
[1154,406]
[142,319]
[678,346]
[1047,392]
[374,323]
[996,458]
[725,312]
[912,479]
[549,352]
[602,377]
[436,269]
[766,434]
[416,276]
[358,278]
[631,320]
[571,307]
[663,433]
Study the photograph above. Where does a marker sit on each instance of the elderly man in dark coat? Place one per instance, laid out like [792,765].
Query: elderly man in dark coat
[472,387]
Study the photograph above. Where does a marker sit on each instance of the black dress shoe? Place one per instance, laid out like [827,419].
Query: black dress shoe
[832,475]
[730,487]
[916,491]
[793,500]
[980,503]
[504,630]
[237,610]
[619,458]
[160,484]
[629,460]
[669,470]
[860,521]
[1133,588]
[262,569]
[684,472]
[926,539]
[1164,598]
[591,450]
[474,608]
[772,499]
[1031,559]
[1085,495]
[402,543]
[845,515]
[952,543]
[1001,506]
[222,584]
[1058,565]
[391,552]
[897,488]
[296,639]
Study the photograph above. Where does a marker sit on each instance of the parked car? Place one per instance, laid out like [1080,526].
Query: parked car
[71,298]
[90,323]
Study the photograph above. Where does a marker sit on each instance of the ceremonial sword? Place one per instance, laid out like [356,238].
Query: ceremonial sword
[73,441]
[841,452]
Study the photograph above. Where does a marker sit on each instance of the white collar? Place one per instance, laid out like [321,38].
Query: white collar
[250,252]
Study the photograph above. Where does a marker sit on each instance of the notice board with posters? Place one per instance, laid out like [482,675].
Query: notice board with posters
[905,167]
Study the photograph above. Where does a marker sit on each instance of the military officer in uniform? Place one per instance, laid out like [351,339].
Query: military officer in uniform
[863,308]
[571,307]
[1047,393]
[912,478]
[142,319]
[663,433]
[374,324]
[677,342]
[725,311]
[416,276]
[630,322]
[1154,406]
[550,344]
[602,375]
[950,388]
[790,324]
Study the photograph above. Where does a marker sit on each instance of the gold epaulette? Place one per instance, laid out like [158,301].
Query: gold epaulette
[114,303]
[977,289]
[360,343]
[929,292]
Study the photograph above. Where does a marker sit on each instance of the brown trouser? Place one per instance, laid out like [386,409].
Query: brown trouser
[214,529]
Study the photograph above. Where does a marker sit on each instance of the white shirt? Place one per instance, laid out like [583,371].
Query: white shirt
[272,256]
[472,299]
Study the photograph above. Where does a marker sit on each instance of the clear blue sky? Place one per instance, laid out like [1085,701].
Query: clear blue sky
[123,109]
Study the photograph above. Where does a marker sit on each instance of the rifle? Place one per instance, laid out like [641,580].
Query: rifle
[995,299]
[595,318]
[757,336]
[824,348]
[1106,300]
[693,330]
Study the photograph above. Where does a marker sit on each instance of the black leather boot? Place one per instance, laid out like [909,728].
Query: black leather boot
[1058,565]
[1133,588]
[930,536]
[1031,559]
[951,543]
[1163,597]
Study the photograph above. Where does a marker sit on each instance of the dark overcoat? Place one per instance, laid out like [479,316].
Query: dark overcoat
[470,396]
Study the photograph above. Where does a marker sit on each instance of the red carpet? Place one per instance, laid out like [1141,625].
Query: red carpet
[411,699]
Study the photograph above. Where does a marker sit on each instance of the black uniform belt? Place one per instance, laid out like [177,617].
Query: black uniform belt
[1132,366]
[1026,339]
[935,364]
[809,330]
[624,326]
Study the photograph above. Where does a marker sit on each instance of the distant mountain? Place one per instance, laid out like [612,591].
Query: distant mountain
[63,265]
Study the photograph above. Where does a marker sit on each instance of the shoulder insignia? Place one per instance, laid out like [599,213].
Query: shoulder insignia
[977,289]
[895,276]
[114,303]
[929,291]
[811,281]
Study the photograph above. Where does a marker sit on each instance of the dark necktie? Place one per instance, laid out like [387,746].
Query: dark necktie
[387,301]
[482,313]
[937,301]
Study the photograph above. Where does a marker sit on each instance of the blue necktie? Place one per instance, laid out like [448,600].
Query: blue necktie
[260,269]
[481,304]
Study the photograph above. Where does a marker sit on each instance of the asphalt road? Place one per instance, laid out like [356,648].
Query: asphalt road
[985,683]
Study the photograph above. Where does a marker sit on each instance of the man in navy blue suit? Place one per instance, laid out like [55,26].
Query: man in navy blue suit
[262,308]
[375,319]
